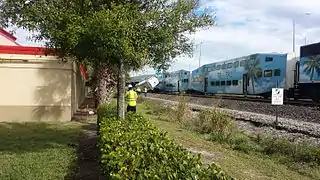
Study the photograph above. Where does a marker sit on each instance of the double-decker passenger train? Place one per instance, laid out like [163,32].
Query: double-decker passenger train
[255,74]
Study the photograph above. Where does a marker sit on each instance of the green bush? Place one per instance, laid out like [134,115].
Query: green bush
[182,111]
[104,111]
[215,121]
[134,149]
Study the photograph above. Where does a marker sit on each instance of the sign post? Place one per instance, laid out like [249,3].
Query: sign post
[277,99]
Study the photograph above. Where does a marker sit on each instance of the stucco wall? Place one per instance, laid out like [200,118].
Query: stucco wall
[6,42]
[40,89]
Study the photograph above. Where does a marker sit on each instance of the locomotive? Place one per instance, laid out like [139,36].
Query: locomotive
[254,74]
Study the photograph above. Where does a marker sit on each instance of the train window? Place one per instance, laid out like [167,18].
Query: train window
[228,83]
[235,82]
[185,73]
[214,68]
[276,72]
[268,59]
[242,63]
[213,83]
[217,83]
[236,64]
[267,73]
[224,66]
[218,67]
[223,83]
[229,65]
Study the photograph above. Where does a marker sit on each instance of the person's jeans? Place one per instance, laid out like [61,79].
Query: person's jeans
[131,108]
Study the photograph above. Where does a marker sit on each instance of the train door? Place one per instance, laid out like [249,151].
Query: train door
[205,84]
[245,84]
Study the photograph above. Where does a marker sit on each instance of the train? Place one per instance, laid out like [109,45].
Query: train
[254,74]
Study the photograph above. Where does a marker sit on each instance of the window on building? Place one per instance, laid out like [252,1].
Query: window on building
[230,65]
[268,59]
[235,82]
[228,83]
[222,83]
[267,73]
[242,63]
[277,72]
[236,64]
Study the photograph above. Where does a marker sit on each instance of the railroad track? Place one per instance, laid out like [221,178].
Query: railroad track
[249,98]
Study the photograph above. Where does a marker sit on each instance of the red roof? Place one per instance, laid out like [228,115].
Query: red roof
[27,50]
[8,36]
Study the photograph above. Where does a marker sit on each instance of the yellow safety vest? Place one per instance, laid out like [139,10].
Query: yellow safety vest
[131,97]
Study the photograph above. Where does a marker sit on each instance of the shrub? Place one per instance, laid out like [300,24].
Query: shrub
[104,111]
[302,152]
[182,110]
[134,149]
[215,121]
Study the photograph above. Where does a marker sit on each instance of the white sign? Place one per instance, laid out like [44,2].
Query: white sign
[277,96]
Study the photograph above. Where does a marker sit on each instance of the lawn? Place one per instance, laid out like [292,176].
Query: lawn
[33,150]
[238,164]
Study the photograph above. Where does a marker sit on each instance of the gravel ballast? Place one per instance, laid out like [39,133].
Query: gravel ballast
[288,128]
[301,113]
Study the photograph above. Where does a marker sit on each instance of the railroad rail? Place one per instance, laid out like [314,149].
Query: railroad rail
[305,102]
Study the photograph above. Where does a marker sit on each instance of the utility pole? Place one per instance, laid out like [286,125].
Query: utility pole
[293,35]
[200,53]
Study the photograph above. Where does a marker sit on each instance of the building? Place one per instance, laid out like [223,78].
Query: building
[36,86]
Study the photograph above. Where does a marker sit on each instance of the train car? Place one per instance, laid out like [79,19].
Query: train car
[255,74]
[197,80]
[307,75]
[177,81]
[161,86]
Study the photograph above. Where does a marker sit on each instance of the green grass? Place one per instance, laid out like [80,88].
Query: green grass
[34,151]
[235,161]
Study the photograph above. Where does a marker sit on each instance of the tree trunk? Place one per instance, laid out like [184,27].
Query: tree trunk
[105,84]
[121,91]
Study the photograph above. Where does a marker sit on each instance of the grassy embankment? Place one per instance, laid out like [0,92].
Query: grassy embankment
[241,155]
[34,150]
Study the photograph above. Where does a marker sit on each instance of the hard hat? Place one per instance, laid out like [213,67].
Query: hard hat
[130,86]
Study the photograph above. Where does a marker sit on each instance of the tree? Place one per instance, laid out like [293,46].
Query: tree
[112,36]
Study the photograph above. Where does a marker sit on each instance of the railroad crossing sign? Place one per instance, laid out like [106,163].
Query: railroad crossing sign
[277,96]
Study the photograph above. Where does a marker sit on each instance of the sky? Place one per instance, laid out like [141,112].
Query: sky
[245,27]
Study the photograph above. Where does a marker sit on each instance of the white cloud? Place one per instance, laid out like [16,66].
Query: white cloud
[250,26]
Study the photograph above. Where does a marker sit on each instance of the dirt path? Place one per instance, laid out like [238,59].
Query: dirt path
[87,165]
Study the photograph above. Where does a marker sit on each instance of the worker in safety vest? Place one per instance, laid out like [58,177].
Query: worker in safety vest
[131,97]
[145,90]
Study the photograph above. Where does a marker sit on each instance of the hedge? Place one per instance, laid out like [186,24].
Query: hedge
[135,149]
